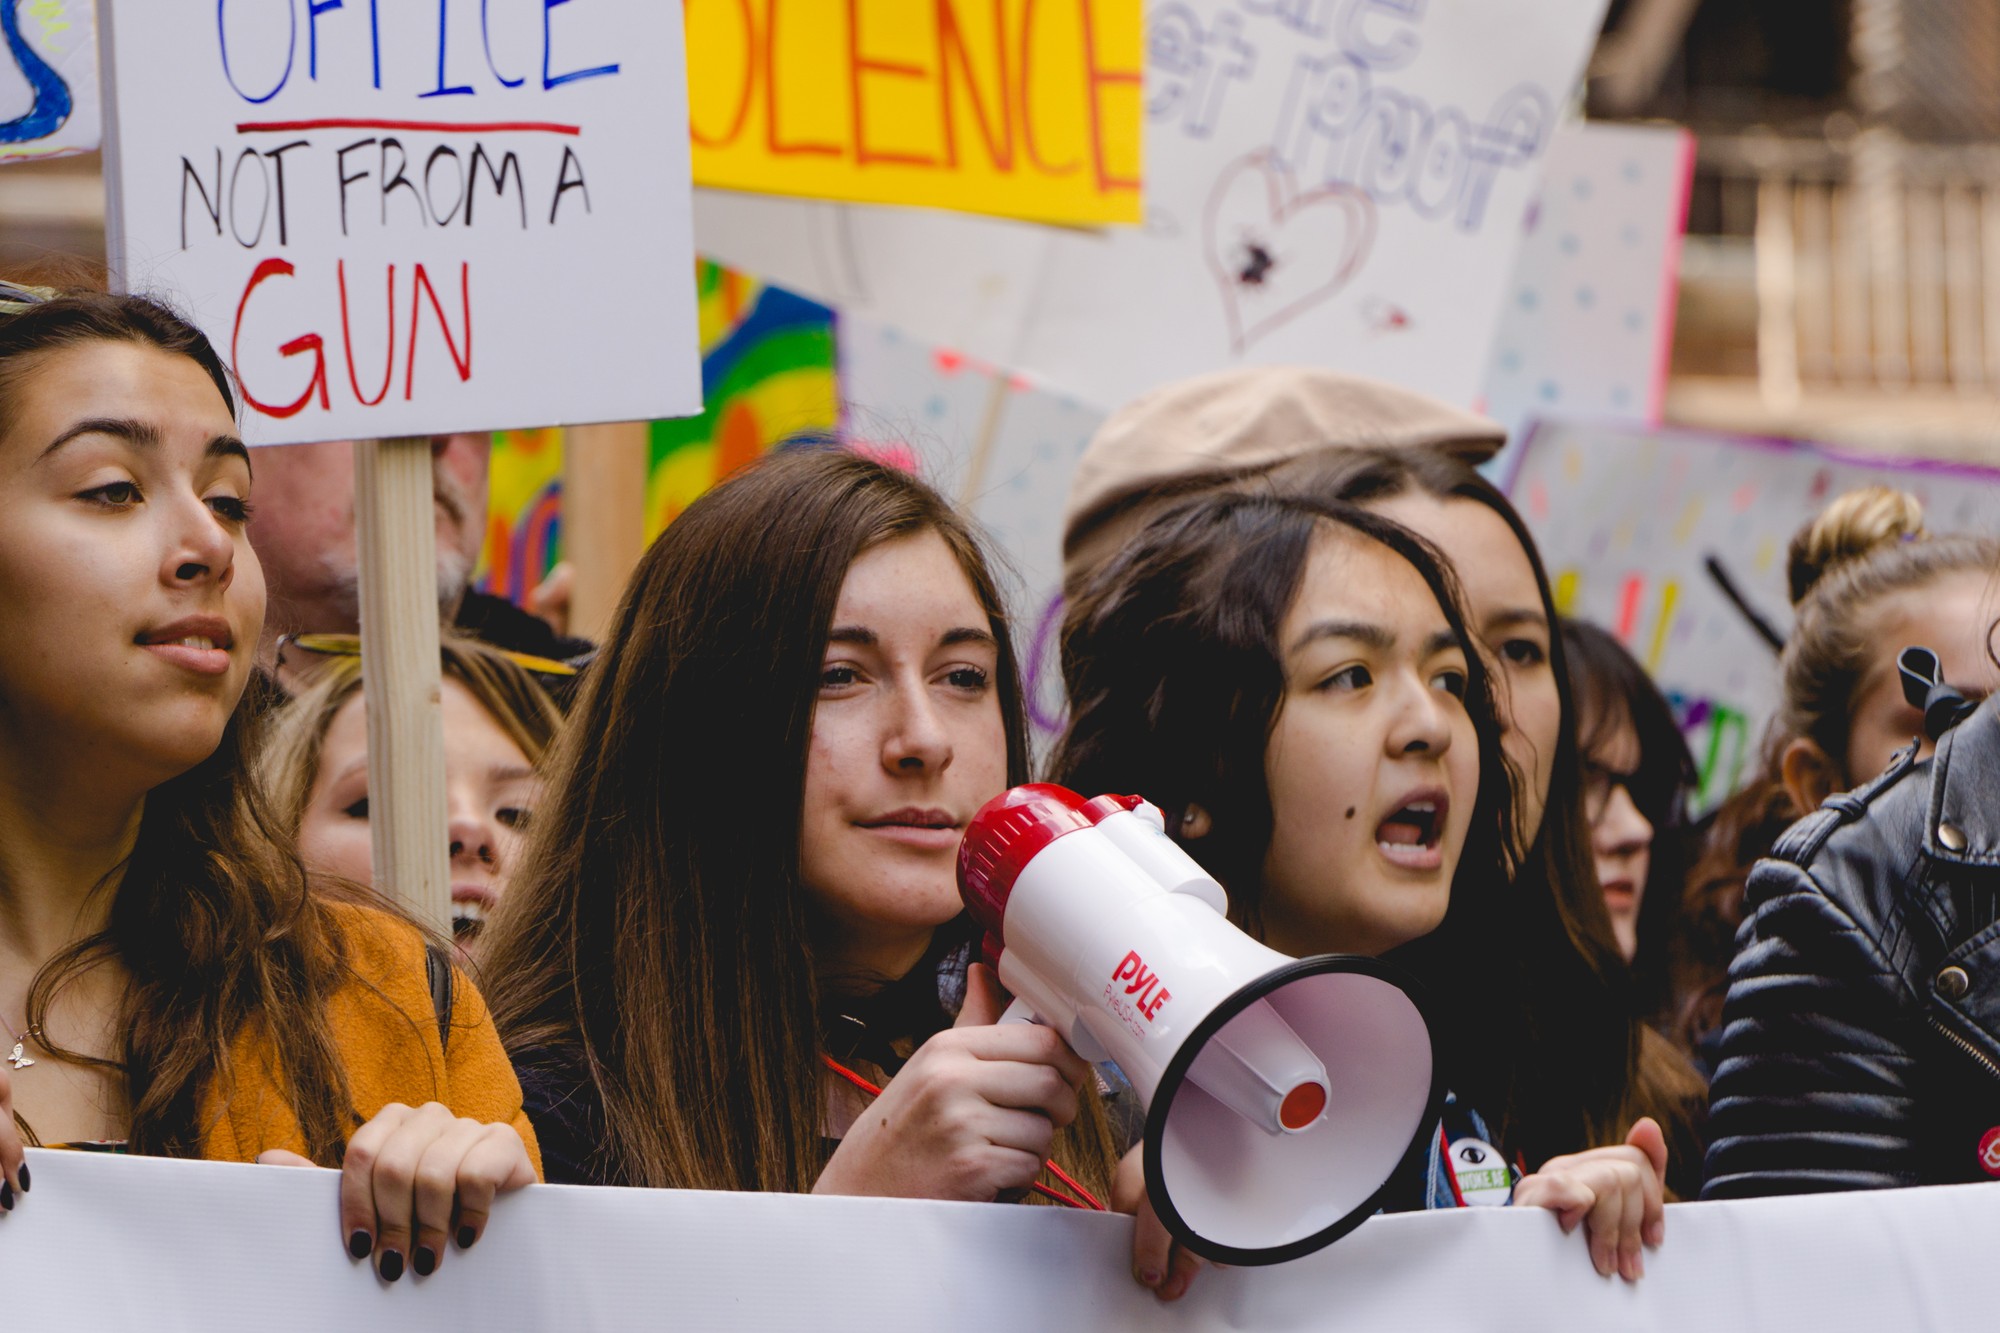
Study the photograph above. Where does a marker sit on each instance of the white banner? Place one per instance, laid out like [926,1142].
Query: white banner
[134,1243]
[412,218]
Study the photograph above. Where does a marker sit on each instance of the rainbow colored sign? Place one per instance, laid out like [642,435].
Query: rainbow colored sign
[768,377]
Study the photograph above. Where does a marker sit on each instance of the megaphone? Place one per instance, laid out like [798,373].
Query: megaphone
[1282,1094]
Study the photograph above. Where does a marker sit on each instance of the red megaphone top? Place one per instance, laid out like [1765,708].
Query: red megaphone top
[1009,831]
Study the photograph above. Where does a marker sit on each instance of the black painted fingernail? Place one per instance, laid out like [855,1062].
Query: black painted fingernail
[425,1261]
[466,1235]
[25,1185]
[6,1197]
[390,1265]
[359,1244]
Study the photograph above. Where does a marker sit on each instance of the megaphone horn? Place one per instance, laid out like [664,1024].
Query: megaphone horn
[1282,1094]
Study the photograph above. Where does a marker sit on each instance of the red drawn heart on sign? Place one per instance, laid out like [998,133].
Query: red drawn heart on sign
[1276,253]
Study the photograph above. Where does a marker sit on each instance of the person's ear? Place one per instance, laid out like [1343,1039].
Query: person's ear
[1195,823]
[1808,774]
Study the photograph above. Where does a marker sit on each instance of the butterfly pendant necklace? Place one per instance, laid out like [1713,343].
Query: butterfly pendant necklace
[19,1057]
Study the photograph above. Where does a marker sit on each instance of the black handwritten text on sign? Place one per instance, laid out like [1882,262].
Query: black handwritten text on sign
[411,217]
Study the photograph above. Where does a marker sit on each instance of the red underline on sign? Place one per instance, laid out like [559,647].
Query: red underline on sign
[412,126]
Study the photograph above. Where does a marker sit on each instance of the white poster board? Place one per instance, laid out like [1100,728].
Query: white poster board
[1587,327]
[134,1243]
[48,79]
[405,219]
[1338,184]
[1641,528]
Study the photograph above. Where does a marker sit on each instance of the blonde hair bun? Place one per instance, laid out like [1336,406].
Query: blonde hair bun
[1853,526]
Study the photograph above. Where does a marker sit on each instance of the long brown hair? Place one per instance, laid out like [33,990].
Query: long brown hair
[1865,547]
[1583,1064]
[212,920]
[657,932]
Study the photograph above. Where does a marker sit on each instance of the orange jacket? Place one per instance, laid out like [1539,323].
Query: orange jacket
[386,1024]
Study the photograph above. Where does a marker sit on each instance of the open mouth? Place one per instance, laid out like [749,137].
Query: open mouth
[470,906]
[1413,833]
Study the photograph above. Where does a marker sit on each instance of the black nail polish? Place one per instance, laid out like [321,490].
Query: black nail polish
[466,1235]
[6,1197]
[390,1265]
[359,1244]
[25,1185]
[425,1261]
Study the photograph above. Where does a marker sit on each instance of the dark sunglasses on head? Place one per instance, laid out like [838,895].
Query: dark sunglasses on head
[14,298]
[349,645]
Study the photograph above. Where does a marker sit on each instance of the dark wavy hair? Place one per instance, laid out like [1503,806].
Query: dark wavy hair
[1176,680]
[212,919]
[1584,1065]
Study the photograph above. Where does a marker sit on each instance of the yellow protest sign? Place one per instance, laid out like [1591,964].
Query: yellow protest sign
[1023,108]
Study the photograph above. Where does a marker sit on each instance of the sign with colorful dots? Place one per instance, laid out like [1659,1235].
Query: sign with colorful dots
[1587,326]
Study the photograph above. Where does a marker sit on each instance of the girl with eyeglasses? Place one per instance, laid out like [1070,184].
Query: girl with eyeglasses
[1637,773]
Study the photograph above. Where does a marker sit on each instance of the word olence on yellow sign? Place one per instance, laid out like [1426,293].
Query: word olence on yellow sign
[1024,108]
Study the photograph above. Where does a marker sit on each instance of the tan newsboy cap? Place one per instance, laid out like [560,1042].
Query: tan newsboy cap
[1214,430]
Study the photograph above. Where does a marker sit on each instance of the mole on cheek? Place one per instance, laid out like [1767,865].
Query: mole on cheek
[1350,812]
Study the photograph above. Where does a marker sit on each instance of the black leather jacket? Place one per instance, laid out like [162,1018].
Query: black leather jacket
[1861,1034]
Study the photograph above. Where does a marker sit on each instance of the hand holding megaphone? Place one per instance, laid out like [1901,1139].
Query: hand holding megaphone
[971,1116]
[1282,1094]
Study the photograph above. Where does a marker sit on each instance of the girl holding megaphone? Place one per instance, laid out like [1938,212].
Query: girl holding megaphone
[1293,683]
[169,983]
[733,954]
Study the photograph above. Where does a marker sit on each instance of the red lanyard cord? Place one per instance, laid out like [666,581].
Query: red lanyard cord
[1085,1198]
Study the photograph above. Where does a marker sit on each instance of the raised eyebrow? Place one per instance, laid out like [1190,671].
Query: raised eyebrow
[1374,636]
[137,433]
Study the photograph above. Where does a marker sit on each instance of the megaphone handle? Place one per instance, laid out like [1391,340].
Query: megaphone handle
[1020,1012]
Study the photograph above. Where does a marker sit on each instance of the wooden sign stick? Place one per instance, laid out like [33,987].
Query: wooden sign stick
[603,517]
[401,679]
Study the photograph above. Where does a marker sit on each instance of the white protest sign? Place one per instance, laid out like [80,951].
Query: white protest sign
[124,1243]
[1328,182]
[397,220]
[48,79]
[1587,326]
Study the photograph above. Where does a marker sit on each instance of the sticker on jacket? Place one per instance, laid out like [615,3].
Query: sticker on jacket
[1481,1172]
[1989,1152]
